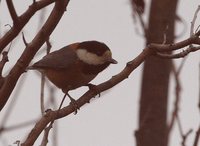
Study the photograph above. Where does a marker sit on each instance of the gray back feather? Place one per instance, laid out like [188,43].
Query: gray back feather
[60,59]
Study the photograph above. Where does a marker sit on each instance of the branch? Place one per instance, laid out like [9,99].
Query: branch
[12,11]
[22,21]
[130,67]
[46,134]
[176,74]
[172,47]
[3,62]
[194,20]
[179,55]
[53,115]
[43,81]
[197,137]
[17,126]
[32,48]
[41,37]
[199,90]
[10,109]
[184,136]
[24,40]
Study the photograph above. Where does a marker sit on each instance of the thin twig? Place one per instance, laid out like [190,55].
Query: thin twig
[179,125]
[42,94]
[3,61]
[199,90]
[17,126]
[193,21]
[177,73]
[17,142]
[144,27]
[197,137]
[46,134]
[165,35]
[11,105]
[43,81]
[24,40]
[184,136]
[181,54]
[197,29]
[42,106]
[55,127]
[177,98]
[47,129]
[48,46]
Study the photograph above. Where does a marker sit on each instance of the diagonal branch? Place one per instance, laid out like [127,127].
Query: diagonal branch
[197,137]
[12,11]
[194,20]
[176,74]
[130,67]
[22,21]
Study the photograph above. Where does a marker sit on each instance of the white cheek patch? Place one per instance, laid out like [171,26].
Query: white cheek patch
[89,58]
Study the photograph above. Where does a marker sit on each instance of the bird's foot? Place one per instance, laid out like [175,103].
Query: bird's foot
[74,104]
[94,88]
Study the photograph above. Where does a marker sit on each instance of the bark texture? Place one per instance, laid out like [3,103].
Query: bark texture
[154,91]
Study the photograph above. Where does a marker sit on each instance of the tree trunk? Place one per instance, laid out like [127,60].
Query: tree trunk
[154,91]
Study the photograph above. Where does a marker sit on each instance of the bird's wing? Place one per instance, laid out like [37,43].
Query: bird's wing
[60,59]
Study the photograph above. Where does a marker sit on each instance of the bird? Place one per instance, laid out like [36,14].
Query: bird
[75,65]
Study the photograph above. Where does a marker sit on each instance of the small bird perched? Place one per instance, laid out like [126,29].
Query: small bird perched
[75,65]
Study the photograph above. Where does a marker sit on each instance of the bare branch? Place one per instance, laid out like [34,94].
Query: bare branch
[193,21]
[42,94]
[53,115]
[41,37]
[43,81]
[165,35]
[10,108]
[46,134]
[23,20]
[199,90]
[197,137]
[48,46]
[17,142]
[144,27]
[177,98]
[132,65]
[176,46]
[3,61]
[24,40]
[178,55]
[184,136]
[30,51]
[12,11]
[17,126]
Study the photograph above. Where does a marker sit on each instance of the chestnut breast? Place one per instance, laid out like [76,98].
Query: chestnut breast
[69,79]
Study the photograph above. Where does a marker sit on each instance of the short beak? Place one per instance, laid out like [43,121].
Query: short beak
[113,61]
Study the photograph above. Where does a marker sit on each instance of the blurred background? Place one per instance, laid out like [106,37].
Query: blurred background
[111,119]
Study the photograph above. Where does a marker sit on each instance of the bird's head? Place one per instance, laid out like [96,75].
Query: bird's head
[95,53]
